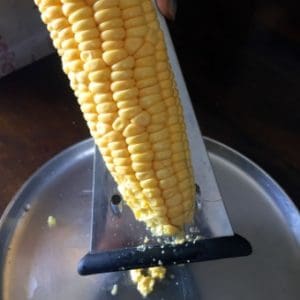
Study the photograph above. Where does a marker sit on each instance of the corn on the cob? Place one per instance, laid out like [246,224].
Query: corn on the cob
[114,54]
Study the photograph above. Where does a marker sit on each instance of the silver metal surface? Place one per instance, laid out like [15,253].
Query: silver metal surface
[38,262]
[213,214]
[211,220]
[112,229]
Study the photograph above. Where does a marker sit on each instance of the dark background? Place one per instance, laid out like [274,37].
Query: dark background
[241,61]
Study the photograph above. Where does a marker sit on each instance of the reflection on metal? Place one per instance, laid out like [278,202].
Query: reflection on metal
[211,218]
[40,263]
[122,251]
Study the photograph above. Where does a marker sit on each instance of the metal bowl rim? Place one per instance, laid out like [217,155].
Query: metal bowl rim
[282,200]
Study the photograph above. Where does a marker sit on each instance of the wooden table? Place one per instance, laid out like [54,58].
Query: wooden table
[244,80]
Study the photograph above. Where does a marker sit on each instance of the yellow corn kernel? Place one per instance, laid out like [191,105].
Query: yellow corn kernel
[128,3]
[155,127]
[132,12]
[139,148]
[174,201]
[122,85]
[135,22]
[164,173]
[142,119]
[141,138]
[124,64]
[168,182]
[145,175]
[110,24]
[141,167]
[141,73]
[152,193]
[149,100]
[123,105]
[125,94]
[121,75]
[111,45]
[114,54]
[146,50]
[104,4]
[132,130]
[147,91]
[156,108]
[114,34]
[119,124]
[102,15]
[129,112]
[148,61]
[142,157]
[133,44]
[147,82]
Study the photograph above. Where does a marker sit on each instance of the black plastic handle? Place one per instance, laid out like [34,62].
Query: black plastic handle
[135,258]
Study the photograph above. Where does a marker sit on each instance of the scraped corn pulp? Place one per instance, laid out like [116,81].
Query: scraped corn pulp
[114,54]
[145,279]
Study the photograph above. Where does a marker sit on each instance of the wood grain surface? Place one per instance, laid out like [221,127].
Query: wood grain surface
[243,73]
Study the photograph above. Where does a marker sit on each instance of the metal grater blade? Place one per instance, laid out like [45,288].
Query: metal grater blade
[118,238]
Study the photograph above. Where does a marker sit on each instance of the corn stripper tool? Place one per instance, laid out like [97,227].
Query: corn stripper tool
[119,242]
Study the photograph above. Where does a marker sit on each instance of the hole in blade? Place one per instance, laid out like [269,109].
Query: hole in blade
[116,204]
[197,188]
[116,199]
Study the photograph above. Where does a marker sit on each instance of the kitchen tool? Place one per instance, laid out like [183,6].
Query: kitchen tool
[38,262]
[118,239]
